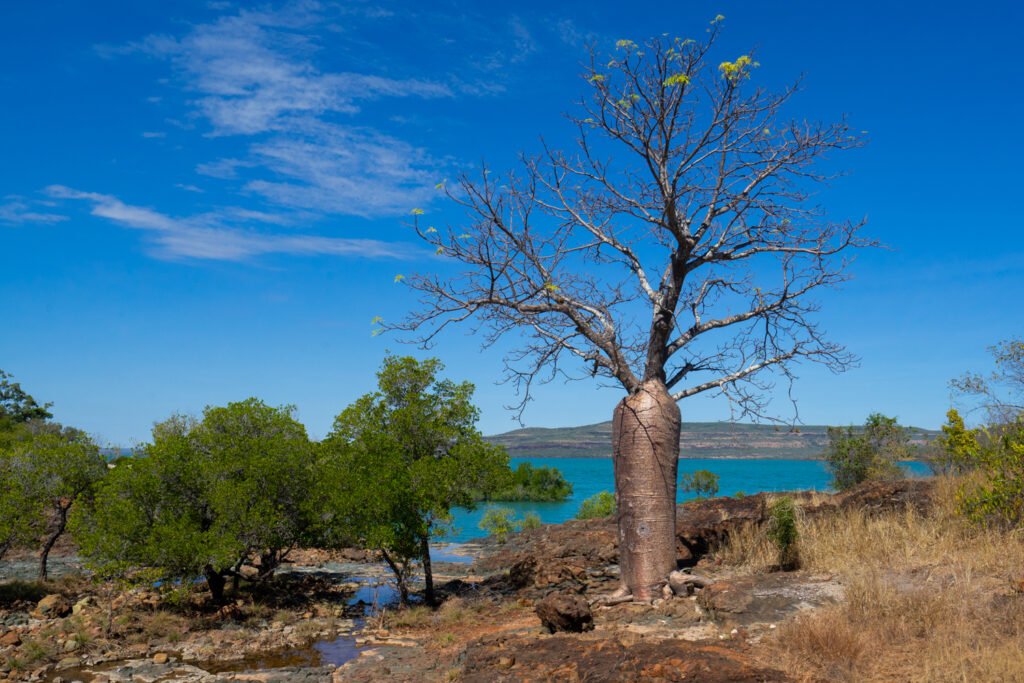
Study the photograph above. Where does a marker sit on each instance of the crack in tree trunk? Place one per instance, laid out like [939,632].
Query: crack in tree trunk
[645,438]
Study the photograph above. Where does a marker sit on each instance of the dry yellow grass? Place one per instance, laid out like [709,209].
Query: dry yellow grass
[928,598]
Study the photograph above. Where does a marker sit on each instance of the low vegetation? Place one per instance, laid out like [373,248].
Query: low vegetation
[598,505]
[783,533]
[500,522]
[702,483]
[927,597]
[527,483]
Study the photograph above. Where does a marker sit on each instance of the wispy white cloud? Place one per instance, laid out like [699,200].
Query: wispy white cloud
[153,134]
[261,76]
[15,210]
[255,75]
[225,235]
[256,70]
[345,170]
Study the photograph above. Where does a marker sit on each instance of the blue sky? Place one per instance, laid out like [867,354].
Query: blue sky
[203,201]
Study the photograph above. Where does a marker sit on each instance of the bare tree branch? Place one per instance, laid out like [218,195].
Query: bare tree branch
[678,242]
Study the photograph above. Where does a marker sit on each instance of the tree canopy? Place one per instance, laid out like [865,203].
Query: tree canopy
[402,457]
[44,475]
[224,496]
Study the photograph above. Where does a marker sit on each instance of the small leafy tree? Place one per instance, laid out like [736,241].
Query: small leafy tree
[598,505]
[224,497]
[956,450]
[873,452]
[531,520]
[400,458]
[44,475]
[782,531]
[500,522]
[703,483]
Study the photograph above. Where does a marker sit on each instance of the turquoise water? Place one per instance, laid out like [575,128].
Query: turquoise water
[591,475]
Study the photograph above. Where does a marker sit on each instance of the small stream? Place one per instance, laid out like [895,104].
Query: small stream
[375,591]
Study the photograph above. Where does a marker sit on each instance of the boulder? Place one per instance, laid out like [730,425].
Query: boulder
[565,611]
[732,597]
[53,606]
[521,574]
[9,639]
[83,604]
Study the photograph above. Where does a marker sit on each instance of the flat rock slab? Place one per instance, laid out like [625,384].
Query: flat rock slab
[768,598]
[148,671]
[575,658]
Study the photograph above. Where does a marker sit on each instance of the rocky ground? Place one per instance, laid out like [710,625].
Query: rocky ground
[299,629]
[488,628]
[492,630]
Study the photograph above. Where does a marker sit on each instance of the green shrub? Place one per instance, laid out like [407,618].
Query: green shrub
[499,522]
[783,533]
[598,505]
[702,482]
[873,452]
[996,494]
[531,521]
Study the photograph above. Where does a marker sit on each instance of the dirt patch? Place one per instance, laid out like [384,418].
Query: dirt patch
[575,658]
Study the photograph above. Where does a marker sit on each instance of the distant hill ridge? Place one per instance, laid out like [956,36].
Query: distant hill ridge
[699,440]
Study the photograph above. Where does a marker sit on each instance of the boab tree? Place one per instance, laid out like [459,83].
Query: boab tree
[673,252]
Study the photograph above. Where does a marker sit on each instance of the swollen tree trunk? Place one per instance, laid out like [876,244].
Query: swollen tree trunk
[428,572]
[645,452]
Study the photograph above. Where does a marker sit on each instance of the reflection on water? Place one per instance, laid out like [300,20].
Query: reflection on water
[339,650]
[374,595]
